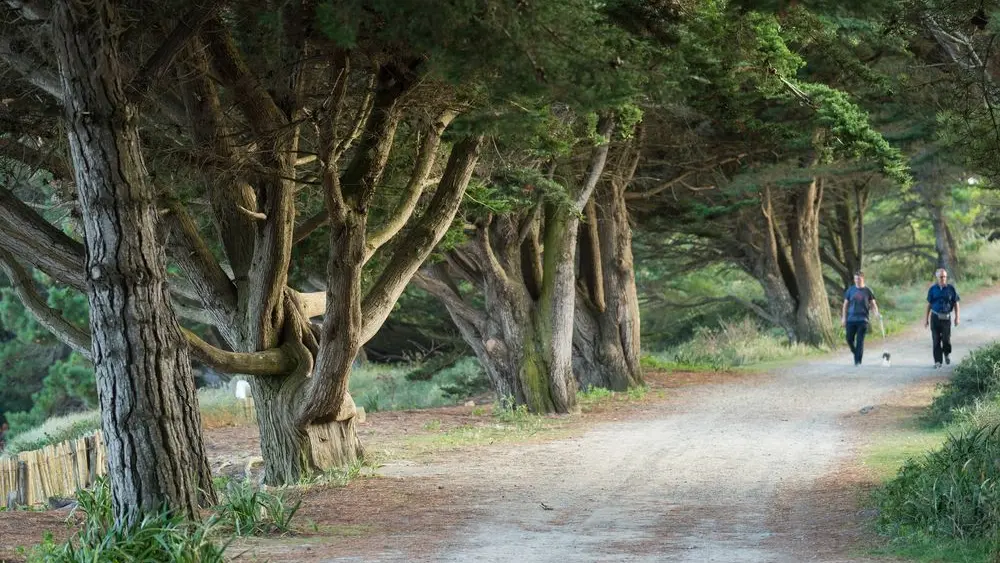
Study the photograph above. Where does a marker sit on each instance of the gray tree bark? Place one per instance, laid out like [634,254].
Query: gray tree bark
[149,410]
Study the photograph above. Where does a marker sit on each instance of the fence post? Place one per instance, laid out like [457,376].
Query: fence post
[91,443]
[22,483]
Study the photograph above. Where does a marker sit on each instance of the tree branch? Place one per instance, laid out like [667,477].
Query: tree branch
[422,239]
[74,337]
[253,100]
[440,289]
[31,69]
[35,158]
[597,161]
[158,64]
[414,188]
[29,237]
[756,309]
[275,361]
[213,286]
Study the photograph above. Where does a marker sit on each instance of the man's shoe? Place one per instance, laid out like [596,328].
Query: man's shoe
[936,365]
[947,359]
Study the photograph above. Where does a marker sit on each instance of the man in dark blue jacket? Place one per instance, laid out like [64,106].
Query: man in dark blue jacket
[942,305]
[859,302]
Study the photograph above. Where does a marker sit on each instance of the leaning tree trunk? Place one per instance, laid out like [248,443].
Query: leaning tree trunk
[149,410]
[523,340]
[944,243]
[814,323]
[781,303]
[606,330]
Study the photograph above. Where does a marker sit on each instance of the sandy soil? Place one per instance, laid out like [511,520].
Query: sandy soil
[726,468]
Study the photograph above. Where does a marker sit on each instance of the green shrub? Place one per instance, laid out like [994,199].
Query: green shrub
[382,387]
[157,538]
[249,511]
[54,431]
[731,345]
[952,493]
[977,376]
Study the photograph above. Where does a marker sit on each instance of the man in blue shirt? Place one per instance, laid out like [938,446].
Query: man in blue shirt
[859,300]
[942,304]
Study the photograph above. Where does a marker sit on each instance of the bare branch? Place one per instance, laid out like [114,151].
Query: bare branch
[313,303]
[414,188]
[422,239]
[306,228]
[597,161]
[31,69]
[213,286]
[29,237]
[440,289]
[252,98]
[757,309]
[74,337]
[35,158]
[158,64]
[275,361]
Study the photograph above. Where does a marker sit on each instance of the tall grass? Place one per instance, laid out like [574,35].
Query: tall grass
[952,493]
[54,431]
[976,377]
[731,345]
[948,501]
[156,538]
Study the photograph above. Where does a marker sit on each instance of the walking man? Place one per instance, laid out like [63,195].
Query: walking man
[859,301]
[942,304]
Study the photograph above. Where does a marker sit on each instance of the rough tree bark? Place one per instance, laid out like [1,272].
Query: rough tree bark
[944,242]
[814,323]
[525,268]
[606,325]
[149,410]
[781,303]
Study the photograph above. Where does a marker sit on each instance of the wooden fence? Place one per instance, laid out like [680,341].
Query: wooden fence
[31,478]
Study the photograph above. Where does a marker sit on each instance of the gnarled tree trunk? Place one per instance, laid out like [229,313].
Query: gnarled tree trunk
[781,304]
[606,331]
[149,410]
[814,323]
[525,267]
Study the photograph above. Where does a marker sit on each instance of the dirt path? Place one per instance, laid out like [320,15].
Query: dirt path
[749,468]
[752,470]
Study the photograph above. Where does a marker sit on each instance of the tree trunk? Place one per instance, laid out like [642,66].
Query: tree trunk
[291,451]
[780,302]
[606,331]
[149,410]
[944,243]
[814,323]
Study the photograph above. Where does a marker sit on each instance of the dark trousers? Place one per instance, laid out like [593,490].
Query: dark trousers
[856,338]
[941,336]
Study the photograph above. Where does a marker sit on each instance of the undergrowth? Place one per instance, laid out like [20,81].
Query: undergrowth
[976,377]
[244,510]
[950,494]
[945,505]
[731,345]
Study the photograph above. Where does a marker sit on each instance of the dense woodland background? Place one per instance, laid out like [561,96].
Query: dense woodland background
[730,96]
[400,204]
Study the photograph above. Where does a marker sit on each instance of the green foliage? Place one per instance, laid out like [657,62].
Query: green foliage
[382,387]
[977,376]
[948,494]
[249,511]
[53,431]
[69,387]
[733,344]
[157,538]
